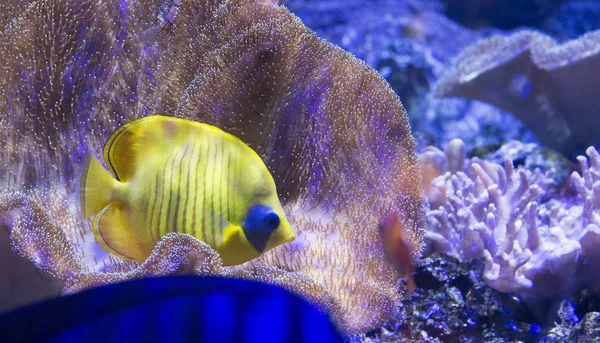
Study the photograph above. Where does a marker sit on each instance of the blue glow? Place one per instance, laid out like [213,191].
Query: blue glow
[173,309]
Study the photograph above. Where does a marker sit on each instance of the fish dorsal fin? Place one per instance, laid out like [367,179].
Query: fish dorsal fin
[144,141]
[113,232]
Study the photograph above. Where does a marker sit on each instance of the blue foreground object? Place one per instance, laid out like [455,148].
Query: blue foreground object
[172,309]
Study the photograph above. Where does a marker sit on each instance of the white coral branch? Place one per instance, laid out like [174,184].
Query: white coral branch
[494,212]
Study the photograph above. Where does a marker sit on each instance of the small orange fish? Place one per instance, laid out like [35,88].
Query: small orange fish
[398,249]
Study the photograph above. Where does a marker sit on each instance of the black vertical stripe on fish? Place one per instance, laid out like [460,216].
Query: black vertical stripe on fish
[152,214]
[217,192]
[144,202]
[145,207]
[196,190]
[218,188]
[228,186]
[212,197]
[232,185]
[224,182]
[203,198]
[188,190]
[179,191]
[162,199]
[236,178]
[148,211]
[170,195]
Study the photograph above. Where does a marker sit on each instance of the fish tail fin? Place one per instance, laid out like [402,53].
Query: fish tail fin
[96,188]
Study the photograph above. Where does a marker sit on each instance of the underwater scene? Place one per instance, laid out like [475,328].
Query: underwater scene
[299,171]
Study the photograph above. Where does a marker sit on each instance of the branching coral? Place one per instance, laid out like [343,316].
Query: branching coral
[546,85]
[331,131]
[494,212]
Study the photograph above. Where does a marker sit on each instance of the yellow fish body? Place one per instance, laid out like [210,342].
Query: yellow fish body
[175,175]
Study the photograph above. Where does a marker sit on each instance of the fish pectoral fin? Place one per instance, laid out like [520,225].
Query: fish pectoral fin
[230,232]
[222,226]
[113,232]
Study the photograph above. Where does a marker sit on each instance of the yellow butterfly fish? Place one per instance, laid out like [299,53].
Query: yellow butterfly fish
[176,175]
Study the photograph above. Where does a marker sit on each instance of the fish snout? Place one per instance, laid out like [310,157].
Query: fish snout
[388,224]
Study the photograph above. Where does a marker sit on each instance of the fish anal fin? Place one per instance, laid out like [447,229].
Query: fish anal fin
[113,231]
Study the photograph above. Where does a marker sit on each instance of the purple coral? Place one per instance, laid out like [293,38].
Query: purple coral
[496,213]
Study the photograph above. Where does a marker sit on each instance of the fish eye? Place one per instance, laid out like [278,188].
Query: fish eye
[272,220]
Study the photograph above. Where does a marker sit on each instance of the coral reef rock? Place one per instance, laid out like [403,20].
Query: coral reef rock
[411,44]
[451,304]
[550,87]
[572,19]
[504,14]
